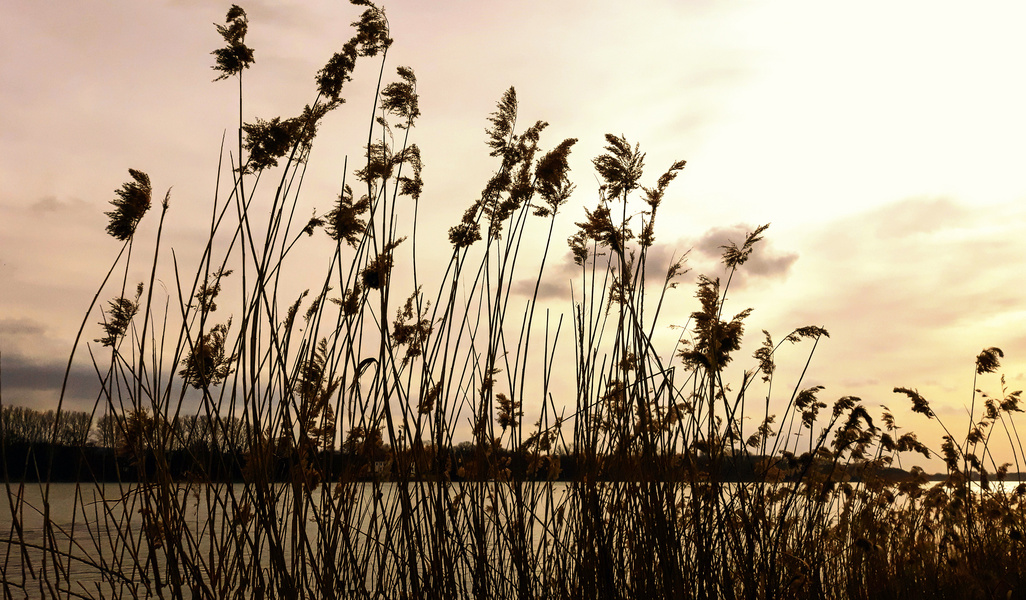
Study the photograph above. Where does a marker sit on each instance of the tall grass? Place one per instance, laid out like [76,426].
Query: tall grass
[337,410]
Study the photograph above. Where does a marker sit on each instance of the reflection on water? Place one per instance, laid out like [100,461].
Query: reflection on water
[127,541]
[79,540]
[117,540]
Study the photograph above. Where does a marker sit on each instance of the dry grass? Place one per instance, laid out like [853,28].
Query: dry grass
[668,496]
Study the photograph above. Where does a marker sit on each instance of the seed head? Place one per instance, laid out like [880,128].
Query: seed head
[131,203]
[236,55]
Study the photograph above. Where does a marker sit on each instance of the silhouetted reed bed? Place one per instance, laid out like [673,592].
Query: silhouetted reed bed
[343,412]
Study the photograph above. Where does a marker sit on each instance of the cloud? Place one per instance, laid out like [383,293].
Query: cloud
[555,281]
[47,207]
[48,204]
[932,262]
[918,216]
[28,338]
[263,14]
[33,362]
[20,327]
[28,382]
[704,256]
[910,292]
[765,262]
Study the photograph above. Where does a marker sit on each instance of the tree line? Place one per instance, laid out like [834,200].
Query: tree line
[21,425]
[121,444]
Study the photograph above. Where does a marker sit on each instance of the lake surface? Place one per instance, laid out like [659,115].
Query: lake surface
[127,541]
[103,541]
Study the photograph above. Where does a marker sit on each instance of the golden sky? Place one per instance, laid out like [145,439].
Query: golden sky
[884,141]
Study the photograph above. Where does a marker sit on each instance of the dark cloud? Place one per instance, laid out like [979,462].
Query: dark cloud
[26,381]
[20,327]
[32,366]
[555,282]
[48,205]
[710,244]
[704,256]
[770,265]
[548,289]
[27,337]
[765,261]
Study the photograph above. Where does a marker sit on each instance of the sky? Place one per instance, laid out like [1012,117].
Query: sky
[883,142]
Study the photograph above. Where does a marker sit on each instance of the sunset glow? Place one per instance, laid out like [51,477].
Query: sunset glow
[884,142]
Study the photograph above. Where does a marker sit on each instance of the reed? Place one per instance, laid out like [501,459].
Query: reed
[276,442]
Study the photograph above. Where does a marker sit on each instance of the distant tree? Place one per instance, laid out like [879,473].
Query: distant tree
[366,442]
[74,428]
[105,435]
[191,432]
[16,424]
[23,425]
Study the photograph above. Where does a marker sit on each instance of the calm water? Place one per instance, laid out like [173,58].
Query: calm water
[101,533]
[102,529]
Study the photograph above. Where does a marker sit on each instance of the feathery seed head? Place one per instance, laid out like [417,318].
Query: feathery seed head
[131,203]
[344,222]
[267,141]
[376,274]
[715,339]
[337,72]
[120,313]
[372,31]
[371,37]
[509,412]
[400,98]
[464,234]
[207,364]
[809,331]
[578,243]
[621,167]
[412,327]
[411,186]
[551,178]
[764,354]
[988,360]
[734,257]
[919,404]
[236,55]
[502,120]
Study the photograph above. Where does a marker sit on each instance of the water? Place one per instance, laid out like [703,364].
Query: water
[107,541]
[110,541]
[88,530]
